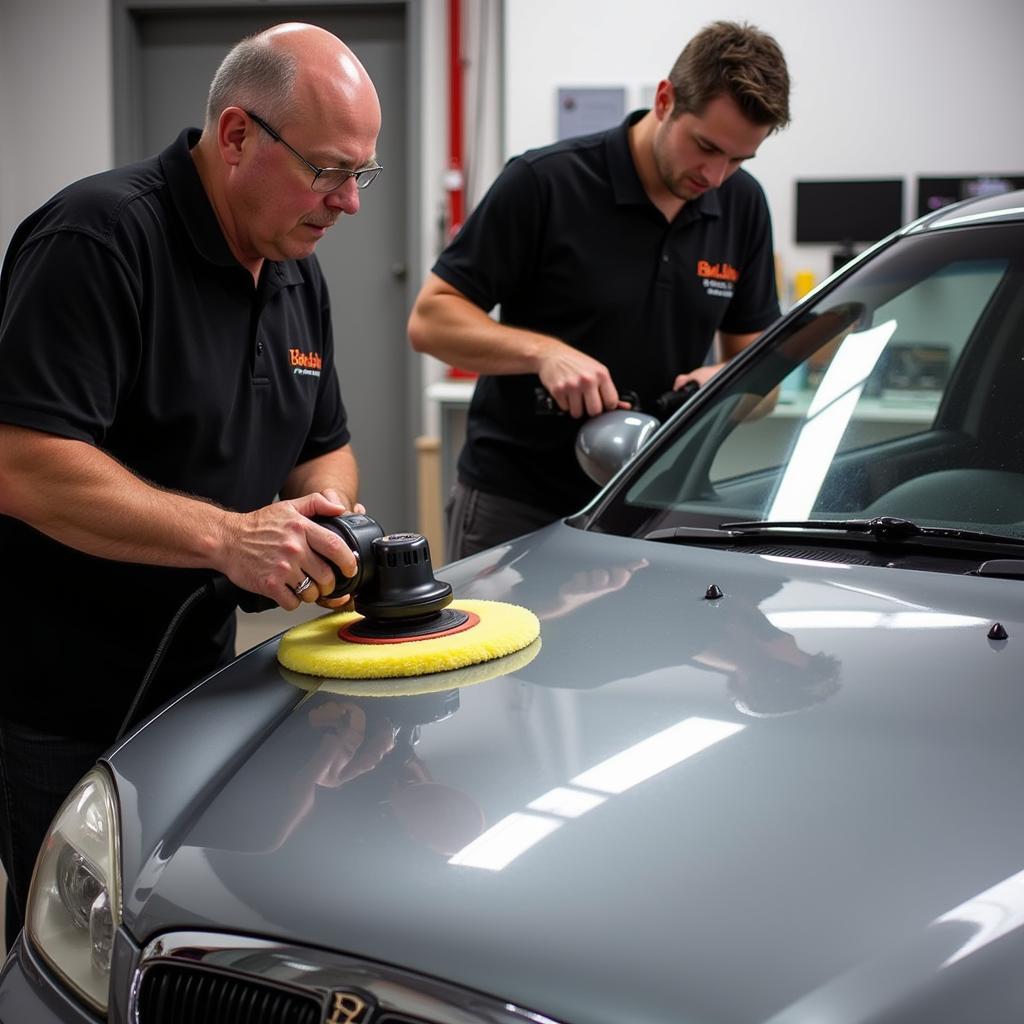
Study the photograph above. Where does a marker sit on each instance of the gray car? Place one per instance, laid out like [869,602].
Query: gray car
[764,763]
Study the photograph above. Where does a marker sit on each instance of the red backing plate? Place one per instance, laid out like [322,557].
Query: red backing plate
[346,633]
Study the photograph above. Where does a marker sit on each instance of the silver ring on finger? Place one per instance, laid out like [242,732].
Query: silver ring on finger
[307,582]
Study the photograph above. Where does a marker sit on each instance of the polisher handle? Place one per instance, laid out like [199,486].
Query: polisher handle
[358,532]
[226,592]
[666,404]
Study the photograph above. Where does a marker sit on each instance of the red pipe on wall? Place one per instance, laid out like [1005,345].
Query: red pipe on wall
[454,177]
[454,180]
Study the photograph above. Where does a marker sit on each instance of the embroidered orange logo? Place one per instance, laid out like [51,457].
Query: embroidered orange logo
[717,271]
[307,360]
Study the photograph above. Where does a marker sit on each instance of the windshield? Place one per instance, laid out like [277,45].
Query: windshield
[896,393]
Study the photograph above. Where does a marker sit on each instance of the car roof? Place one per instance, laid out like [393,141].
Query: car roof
[998,209]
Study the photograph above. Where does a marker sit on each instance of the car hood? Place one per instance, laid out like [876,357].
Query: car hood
[798,800]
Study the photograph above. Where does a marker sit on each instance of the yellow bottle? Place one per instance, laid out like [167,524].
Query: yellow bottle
[803,282]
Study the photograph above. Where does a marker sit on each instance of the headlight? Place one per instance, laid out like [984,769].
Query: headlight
[74,903]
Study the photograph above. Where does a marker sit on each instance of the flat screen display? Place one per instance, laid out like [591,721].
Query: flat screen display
[935,193]
[844,212]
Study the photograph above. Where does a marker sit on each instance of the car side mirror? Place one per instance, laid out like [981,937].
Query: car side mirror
[607,442]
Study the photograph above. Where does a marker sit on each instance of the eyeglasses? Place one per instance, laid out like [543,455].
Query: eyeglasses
[325,179]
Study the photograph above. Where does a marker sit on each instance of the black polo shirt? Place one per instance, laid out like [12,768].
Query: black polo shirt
[126,323]
[568,243]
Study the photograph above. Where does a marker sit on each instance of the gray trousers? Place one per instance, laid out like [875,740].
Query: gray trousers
[475,520]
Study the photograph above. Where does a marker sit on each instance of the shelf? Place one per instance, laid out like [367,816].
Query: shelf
[887,409]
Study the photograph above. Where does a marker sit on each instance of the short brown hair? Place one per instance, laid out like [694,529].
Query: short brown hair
[737,60]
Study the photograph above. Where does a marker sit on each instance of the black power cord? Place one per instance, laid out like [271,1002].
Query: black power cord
[219,588]
[404,590]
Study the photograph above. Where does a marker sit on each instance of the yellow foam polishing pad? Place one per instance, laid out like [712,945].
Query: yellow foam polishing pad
[316,649]
[408,686]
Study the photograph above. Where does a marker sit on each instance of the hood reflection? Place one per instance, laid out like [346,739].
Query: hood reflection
[739,635]
[767,672]
[499,578]
[518,832]
[358,756]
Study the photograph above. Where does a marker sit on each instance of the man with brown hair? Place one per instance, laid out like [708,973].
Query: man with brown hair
[615,259]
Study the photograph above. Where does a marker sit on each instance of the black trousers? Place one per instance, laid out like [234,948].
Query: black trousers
[475,521]
[37,771]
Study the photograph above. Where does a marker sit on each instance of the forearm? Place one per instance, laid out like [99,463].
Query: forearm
[731,345]
[81,497]
[446,325]
[335,471]
[727,346]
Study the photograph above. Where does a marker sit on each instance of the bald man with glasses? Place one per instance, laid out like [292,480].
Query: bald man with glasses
[169,409]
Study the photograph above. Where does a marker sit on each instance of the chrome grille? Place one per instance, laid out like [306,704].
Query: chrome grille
[197,977]
[185,994]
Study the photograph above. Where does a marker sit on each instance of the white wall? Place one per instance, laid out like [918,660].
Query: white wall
[482,113]
[56,107]
[881,88]
[56,103]
[56,110]
[433,98]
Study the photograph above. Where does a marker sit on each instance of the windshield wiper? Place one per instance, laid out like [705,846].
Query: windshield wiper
[690,533]
[890,529]
[882,528]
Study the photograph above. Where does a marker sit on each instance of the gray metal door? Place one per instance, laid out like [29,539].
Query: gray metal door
[175,53]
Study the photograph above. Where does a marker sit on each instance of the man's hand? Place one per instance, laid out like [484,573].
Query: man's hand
[729,346]
[358,509]
[701,375]
[332,495]
[271,551]
[446,324]
[578,383]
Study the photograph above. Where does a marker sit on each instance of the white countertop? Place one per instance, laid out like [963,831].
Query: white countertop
[451,391]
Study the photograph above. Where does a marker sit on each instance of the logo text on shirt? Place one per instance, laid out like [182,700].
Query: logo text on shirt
[305,364]
[718,278]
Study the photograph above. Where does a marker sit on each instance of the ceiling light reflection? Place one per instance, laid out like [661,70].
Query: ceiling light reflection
[501,844]
[655,754]
[838,618]
[993,913]
[566,802]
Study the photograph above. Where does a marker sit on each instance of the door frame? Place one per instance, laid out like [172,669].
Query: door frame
[127,110]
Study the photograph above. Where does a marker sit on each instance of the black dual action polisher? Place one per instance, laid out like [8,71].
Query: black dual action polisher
[399,622]
[394,588]
[402,625]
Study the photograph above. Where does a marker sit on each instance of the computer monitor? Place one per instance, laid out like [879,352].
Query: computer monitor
[935,193]
[843,213]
